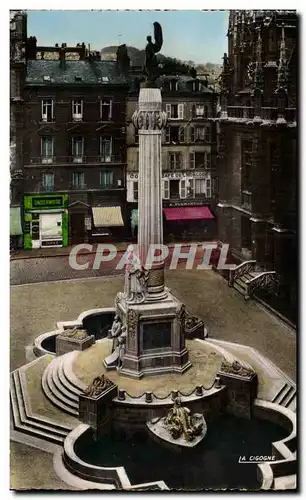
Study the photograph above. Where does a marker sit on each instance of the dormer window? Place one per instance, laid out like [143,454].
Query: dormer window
[195,86]
[173,85]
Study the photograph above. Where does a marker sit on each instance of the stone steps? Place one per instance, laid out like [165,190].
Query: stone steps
[51,391]
[24,422]
[61,386]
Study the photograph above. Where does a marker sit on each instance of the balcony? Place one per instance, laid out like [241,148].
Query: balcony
[87,160]
[267,113]
[78,187]
[42,188]
[246,112]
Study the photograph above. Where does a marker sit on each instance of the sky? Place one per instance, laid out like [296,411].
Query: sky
[199,36]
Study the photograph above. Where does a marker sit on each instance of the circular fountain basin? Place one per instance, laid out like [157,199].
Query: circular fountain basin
[214,463]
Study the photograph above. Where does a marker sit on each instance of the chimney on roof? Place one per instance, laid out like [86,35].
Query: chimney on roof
[31,48]
[82,51]
[62,58]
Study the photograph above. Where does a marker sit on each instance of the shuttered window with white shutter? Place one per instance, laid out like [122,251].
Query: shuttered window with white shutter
[181,111]
[183,188]
[165,189]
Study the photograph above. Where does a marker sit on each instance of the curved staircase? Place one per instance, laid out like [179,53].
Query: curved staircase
[61,386]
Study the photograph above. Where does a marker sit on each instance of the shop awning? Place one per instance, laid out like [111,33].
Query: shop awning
[15,221]
[188,213]
[134,217]
[107,216]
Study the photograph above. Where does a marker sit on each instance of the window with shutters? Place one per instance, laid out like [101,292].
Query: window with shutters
[78,180]
[199,187]
[47,110]
[77,149]
[106,179]
[191,188]
[182,188]
[77,110]
[205,111]
[106,106]
[166,189]
[192,159]
[106,143]
[192,134]
[175,161]
[175,111]
[48,181]
[135,190]
[207,161]
[208,189]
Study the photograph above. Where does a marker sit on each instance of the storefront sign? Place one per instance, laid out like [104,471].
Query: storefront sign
[179,175]
[185,204]
[47,202]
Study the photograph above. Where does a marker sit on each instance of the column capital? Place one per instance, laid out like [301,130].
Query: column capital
[149,120]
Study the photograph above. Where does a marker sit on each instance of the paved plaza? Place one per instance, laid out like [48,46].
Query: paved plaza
[36,308]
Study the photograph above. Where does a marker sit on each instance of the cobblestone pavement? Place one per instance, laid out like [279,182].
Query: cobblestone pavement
[36,270]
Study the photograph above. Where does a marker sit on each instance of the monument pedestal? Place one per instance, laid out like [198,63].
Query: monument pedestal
[155,337]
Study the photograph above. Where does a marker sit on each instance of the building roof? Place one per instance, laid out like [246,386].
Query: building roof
[41,72]
[183,83]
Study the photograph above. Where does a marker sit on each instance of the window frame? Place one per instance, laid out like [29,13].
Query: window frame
[46,158]
[110,109]
[77,116]
[49,105]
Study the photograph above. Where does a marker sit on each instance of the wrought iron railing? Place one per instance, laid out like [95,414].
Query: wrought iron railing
[243,268]
[82,159]
[266,280]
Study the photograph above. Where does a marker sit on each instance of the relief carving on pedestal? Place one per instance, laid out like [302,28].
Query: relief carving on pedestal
[132,323]
[236,368]
[181,317]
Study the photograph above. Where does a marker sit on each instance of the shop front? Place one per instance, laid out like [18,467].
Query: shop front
[188,223]
[45,220]
[107,224]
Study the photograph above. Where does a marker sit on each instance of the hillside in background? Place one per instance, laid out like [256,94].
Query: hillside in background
[137,59]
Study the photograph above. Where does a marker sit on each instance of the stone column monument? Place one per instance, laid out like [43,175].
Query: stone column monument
[153,318]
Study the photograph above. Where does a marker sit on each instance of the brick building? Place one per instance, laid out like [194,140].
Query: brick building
[188,158]
[74,153]
[257,143]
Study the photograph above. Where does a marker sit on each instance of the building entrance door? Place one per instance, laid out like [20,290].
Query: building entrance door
[77,225]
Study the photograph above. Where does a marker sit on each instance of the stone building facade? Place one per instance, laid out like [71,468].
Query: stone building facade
[74,147]
[188,157]
[257,142]
[18,36]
